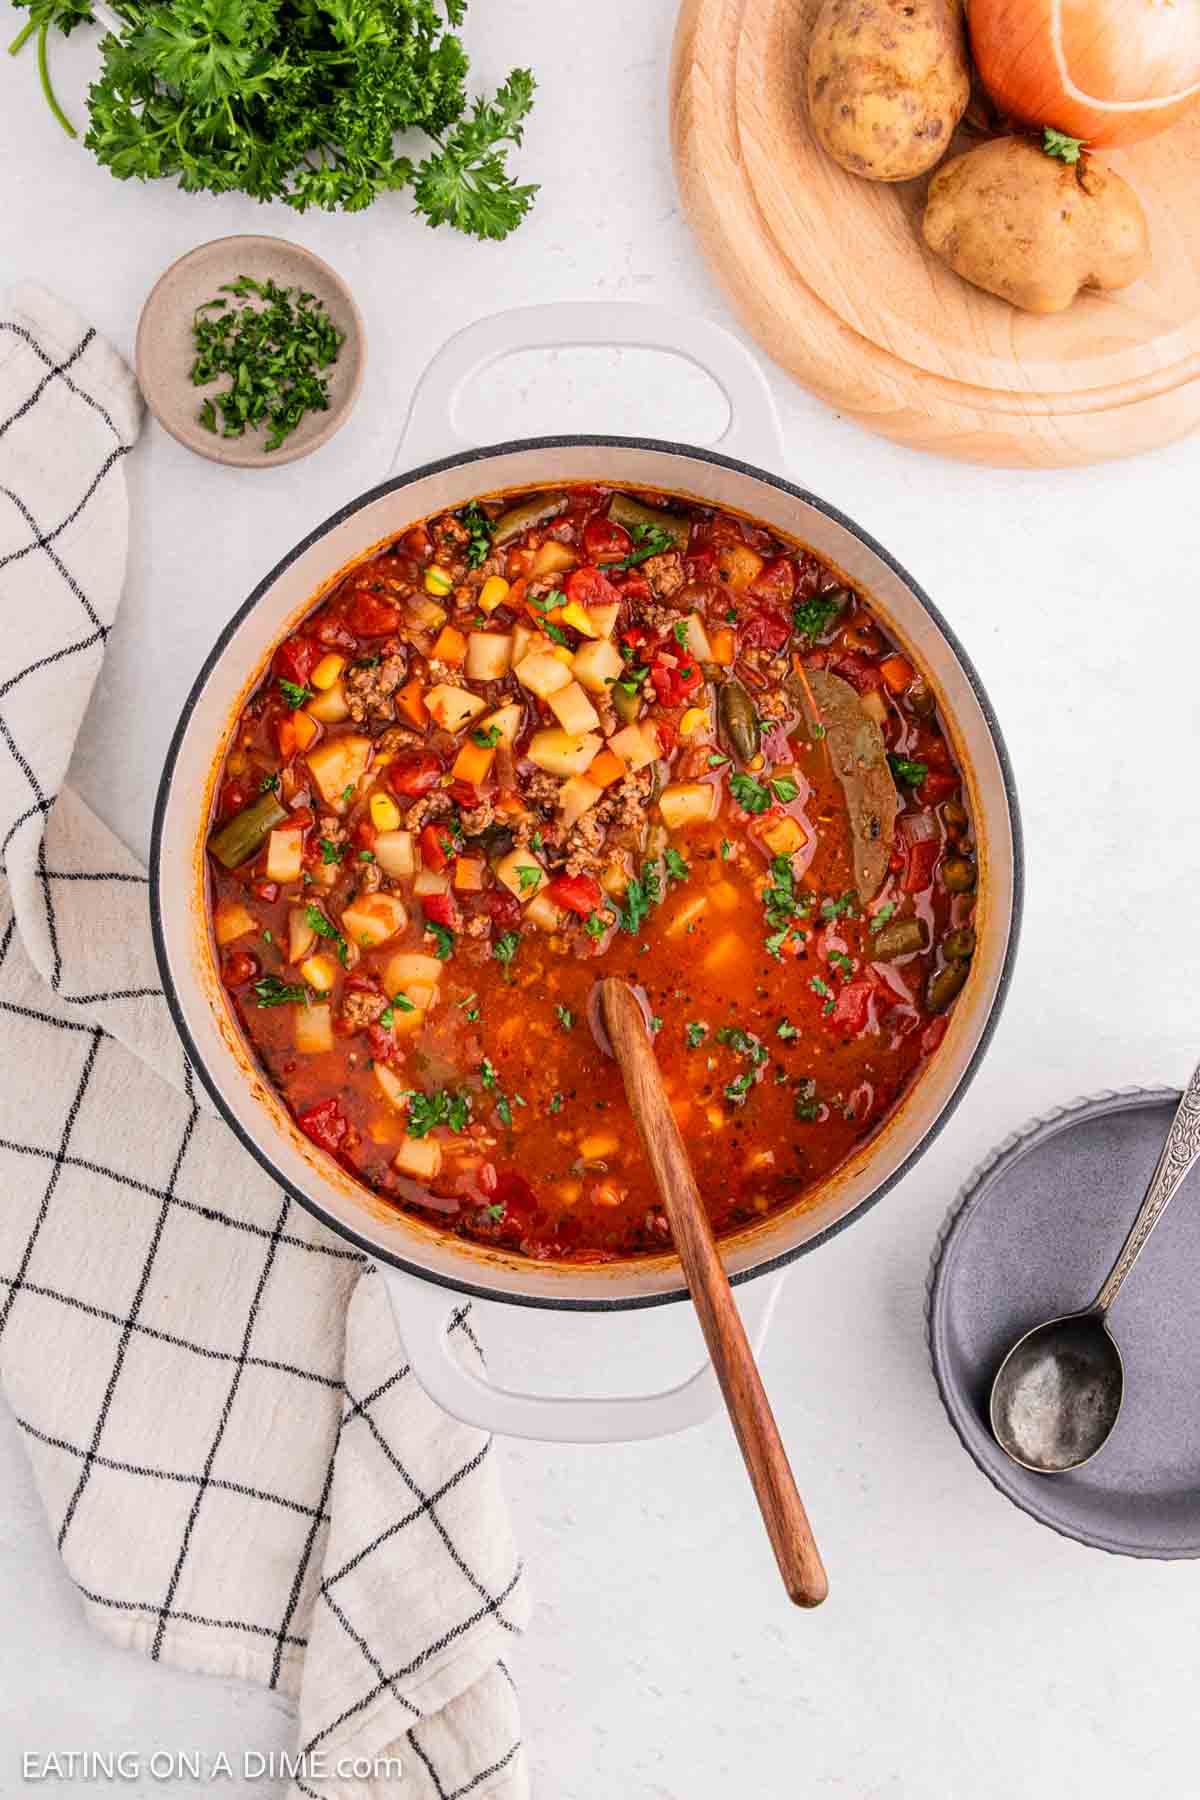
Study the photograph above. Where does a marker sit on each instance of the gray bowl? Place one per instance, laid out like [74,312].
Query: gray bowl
[1033,1234]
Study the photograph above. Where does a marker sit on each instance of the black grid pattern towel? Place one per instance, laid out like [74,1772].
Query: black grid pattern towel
[242,1475]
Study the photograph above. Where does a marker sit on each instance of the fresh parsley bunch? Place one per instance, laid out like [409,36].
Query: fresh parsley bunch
[300,100]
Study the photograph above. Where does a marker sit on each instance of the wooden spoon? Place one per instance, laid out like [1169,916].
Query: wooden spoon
[745,1397]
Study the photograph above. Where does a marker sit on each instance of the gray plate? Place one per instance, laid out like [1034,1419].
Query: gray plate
[1033,1234]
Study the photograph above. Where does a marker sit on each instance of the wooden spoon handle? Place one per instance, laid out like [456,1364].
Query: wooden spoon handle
[745,1397]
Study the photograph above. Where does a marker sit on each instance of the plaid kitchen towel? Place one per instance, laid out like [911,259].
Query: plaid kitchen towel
[242,1475]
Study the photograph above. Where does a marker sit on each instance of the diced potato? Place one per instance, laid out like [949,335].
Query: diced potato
[489,655]
[327,672]
[468,874]
[453,707]
[597,665]
[692,908]
[374,918]
[395,852]
[523,639]
[783,837]
[561,753]
[521,873]
[688,803]
[312,1030]
[635,746]
[575,797]
[724,896]
[431,881]
[392,1088]
[330,705]
[320,972]
[339,763]
[232,920]
[738,565]
[420,998]
[301,936]
[507,721]
[543,913]
[323,874]
[285,853]
[697,639]
[408,966]
[603,618]
[419,1157]
[543,674]
[565,657]
[551,558]
[578,618]
[596,1145]
[473,763]
[614,880]
[573,710]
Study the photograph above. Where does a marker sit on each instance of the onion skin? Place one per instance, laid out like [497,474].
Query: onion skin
[1111,72]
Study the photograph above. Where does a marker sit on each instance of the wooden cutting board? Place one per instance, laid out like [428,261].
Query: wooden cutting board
[829,273]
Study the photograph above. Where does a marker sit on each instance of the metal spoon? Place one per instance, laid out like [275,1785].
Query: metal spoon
[1057,1393]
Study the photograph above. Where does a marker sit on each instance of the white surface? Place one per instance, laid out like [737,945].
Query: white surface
[964,1654]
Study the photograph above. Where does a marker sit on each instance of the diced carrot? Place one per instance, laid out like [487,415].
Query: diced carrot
[724,647]
[605,768]
[473,763]
[305,730]
[897,673]
[468,874]
[410,699]
[450,646]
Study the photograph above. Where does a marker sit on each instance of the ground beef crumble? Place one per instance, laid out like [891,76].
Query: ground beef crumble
[369,690]
[665,573]
[361,1007]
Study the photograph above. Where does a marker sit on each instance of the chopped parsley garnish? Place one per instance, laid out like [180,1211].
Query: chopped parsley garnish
[399,1003]
[348,793]
[529,875]
[480,528]
[503,1110]
[367,662]
[784,788]
[912,774]
[651,540]
[643,892]
[1058,144]
[269,783]
[744,1043]
[331,852]
[776,941]
[556,1105]
[535,842]
[825,993]
[676,868]
[726,849]
[679,631]
[811,617]
[271,991]
[293,693]
[716,759]
[750,795]
[565,1017]
[739,1087]
[487,737]
[468,1006]
[443,940]
[554,632]
[840,961]
[442,1107]
[696,1032]
[366,856]
[881,917]
[487,1073]
[787,1031]
[506,947]
[495,1211]
[656,1023]
[321,925]
[594,925]
[631,681]
[781,903]
[845,908]
[807,1107]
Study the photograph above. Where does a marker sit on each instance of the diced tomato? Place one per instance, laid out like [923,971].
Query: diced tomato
[441,909]
[922,861]
[605,541]
[370,615]
[588,587]
[937,786]
[296,658]
[775,581]
[513,1192]
[324,1124]
[517,565]
[464,793]
[766,629]
[634,586]
[414,773]
[381,1043]
[855,669]
[233,798]
[364,834]
[265,890]
[665,732]
[933,1034]
[700,564]
[501,906]
[418,543]
[578,893]
[285,736]
[635,636]
[674,678]
[437,848]
[238,968]
[851,1008]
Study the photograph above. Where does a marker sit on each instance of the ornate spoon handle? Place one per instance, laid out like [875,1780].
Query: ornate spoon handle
[1180,1151]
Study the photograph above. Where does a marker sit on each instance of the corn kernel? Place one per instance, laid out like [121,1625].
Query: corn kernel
[563,654]
[327,672]
[437,581]
[493,593]
[756,762]
[319,973]
[694,719]
[574,615]
[385,814]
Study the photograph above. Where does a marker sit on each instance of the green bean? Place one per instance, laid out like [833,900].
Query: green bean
[246,832]
[900,938]
[959,946]
[958,875]
[623,510]
[738,720]
[945,984]
[538,510]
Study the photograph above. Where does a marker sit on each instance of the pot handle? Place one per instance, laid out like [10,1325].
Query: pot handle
[432,430]
[423,1313]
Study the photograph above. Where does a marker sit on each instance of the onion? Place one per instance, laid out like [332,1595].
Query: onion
[1107,71]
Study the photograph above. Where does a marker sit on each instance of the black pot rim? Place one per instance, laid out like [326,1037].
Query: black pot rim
[463,459]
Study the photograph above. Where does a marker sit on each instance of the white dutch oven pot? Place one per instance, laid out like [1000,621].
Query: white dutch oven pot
[427,1272]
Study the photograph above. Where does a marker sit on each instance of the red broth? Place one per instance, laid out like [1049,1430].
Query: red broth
[584,732]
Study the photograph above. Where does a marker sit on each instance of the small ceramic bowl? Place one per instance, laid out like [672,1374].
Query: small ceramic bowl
[164,351]
[1032,1236]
